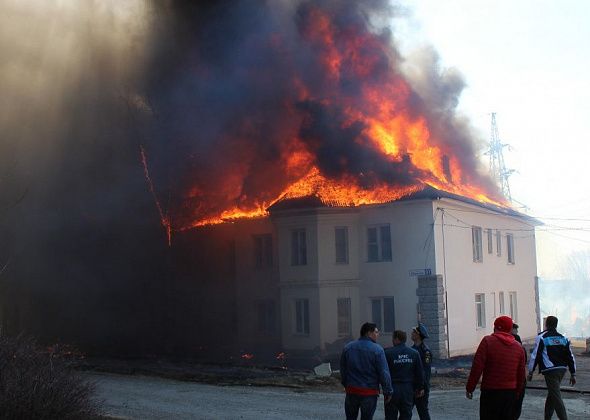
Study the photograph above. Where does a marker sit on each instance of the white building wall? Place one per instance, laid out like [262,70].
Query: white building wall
[411,226]
[464,278]
[417,244]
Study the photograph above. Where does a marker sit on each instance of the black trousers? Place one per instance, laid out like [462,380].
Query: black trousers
[497,404]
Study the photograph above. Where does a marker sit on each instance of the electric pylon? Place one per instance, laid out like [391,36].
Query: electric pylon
[498,169]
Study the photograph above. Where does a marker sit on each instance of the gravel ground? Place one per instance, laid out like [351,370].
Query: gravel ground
[143,397]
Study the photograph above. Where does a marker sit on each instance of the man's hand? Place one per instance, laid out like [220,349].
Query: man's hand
[387,399]
[469,395]
[419,393]
[572,380]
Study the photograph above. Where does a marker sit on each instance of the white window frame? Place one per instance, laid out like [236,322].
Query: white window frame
[344,317]
[513,306]
[380,317]
[298,247]
[480,310]
[384,253]
[263,257]
[341,259]
[490,240]
[510,248]
[301,318]
[476,243]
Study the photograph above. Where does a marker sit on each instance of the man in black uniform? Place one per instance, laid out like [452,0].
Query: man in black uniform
[418,335]
[407,377]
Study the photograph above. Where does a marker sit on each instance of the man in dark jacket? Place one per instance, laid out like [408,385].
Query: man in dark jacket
[418,335]
[407,377]
[553,355]
[362,368]
[500,359]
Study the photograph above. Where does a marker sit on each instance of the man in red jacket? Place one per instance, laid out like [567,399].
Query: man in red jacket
[500,359]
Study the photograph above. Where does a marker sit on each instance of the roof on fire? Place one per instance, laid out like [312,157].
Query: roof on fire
[427,193]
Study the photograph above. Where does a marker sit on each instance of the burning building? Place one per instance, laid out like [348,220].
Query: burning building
[309,275]
[223,174]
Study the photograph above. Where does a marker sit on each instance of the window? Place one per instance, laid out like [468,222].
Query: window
[302,316]
[341,241]
[379,243]
[266,317]
[501,299]
[494,300]
[476,242]
[498,243]
[344,319]
[513,306]
[298,247]
[490,241]
[510,248]
[480,309]
[262,251]
[383,313]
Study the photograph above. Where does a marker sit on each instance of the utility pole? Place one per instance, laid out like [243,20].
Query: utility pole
[498,169]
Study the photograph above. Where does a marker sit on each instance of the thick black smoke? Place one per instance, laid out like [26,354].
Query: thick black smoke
[212,92]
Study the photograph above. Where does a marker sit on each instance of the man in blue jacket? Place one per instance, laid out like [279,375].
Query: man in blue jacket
[363,367]
[407,376]
[418,335]
[553,354]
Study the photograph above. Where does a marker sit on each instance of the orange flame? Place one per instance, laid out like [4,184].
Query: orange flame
[387,125]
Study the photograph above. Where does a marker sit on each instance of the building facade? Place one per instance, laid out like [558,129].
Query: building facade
[310,275]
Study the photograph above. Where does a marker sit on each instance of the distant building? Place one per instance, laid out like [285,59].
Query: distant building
[308,276]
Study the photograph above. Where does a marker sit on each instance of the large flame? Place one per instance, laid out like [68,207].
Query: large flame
[349,128]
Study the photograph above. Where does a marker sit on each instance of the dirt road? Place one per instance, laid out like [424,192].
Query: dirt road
[142,397]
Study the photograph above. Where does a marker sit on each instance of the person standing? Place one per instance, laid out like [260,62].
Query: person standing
[407,377]
[518,404]
[499,357]
[418,335]
[553,354]
[363,368]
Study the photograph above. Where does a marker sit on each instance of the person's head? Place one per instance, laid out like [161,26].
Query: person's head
[551,322]
[399,337]
[419,333]
[514,328]
[503,324]
[369,329]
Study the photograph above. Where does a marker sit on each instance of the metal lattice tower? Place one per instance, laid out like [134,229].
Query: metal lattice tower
[498,169]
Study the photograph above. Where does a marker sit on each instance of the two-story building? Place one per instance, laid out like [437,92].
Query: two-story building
[309,275]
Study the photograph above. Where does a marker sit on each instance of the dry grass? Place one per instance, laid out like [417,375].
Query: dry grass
[40,384]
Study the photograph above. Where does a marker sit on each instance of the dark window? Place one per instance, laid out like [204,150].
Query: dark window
[302,316]
[267,317]
[510,248]
[341,240]
[490,241]
[476,243]
[383,313]
[379,243]
[344,320]
[298,247]
[263,251]
[498,243]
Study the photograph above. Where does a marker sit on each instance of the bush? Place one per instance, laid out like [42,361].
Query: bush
[41,384]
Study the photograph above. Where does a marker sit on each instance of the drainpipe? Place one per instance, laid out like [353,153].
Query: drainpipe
[445,282]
